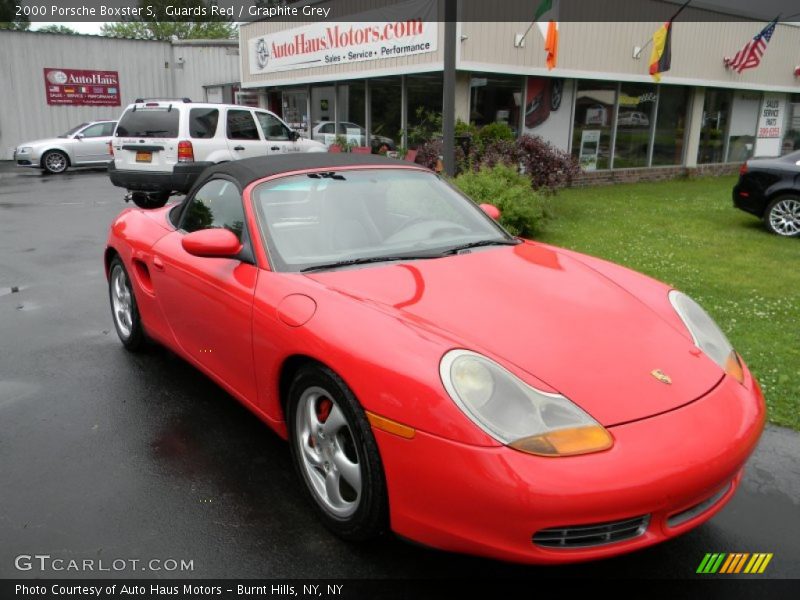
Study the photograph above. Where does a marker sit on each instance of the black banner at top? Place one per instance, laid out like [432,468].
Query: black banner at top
[238,11]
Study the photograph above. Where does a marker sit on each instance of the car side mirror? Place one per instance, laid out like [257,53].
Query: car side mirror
[212,243]
[491,210]
[294,135]
[78,136]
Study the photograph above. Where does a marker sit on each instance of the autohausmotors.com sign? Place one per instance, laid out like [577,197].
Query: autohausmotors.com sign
[408,28]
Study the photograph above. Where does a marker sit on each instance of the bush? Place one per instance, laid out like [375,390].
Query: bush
[522,210]
[548,167]
[494,132]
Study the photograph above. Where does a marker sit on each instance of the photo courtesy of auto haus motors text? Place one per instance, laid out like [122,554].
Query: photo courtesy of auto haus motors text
[398,298]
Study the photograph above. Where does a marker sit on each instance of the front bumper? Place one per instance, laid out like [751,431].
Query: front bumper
[180,179]
[28,159]
[492,501]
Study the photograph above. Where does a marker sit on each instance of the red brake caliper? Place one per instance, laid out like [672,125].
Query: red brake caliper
[323,410]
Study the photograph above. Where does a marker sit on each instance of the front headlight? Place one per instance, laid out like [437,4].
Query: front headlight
[24,149]
[516,414]
[706,334]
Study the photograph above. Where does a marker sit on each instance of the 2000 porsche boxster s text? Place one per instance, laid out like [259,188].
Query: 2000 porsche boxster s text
[436,376]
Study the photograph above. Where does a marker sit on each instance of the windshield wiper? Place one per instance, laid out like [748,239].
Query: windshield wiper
[366,261]
[478,244]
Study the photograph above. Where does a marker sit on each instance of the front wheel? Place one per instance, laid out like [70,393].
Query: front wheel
[336,455]
[124,310]
[783,216]
[54,162]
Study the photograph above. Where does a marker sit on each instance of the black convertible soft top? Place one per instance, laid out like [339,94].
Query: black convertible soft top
[247,170]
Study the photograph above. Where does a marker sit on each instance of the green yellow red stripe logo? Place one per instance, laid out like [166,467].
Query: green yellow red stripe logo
[732,563]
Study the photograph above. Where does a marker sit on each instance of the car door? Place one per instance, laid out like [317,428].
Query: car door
[277,134]
[208,302]
[244,139]
[90,145]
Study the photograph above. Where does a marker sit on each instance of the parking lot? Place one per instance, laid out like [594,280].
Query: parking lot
[105,454]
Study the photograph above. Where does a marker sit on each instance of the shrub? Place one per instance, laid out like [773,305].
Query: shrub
[494,132]
[547,167]
[522,210]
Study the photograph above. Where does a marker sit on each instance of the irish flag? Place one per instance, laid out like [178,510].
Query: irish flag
[549,31]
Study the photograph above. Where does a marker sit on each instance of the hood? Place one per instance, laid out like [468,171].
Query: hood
[549,315]
[311,143]
[53,141]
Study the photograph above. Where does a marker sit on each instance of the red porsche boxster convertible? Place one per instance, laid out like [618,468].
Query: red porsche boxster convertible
[434,375]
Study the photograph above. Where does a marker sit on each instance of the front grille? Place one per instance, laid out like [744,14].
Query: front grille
[579,536]
[698,509]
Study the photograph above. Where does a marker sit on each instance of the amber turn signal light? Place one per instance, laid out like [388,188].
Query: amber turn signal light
[384,424]
[566,442]
[733,367]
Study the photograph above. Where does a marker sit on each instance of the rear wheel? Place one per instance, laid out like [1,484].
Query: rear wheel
[150,200]
[55,161]
[335,454]
[783,216]
[124,310]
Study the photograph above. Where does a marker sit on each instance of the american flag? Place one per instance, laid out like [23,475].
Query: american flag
[750,56]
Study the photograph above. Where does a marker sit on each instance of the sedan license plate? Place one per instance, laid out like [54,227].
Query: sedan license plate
[144,157]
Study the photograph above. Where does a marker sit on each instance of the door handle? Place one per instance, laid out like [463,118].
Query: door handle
[158,263]
[238,147]
[276,148]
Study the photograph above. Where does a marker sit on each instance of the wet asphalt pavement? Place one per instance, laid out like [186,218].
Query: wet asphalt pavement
[105,454]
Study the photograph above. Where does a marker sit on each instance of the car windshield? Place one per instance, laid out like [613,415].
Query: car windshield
[73,131]
[336,219]
[152,122]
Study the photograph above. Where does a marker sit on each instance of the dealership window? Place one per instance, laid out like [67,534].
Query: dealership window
[634,123]
[295,109]
[670,128]
[716,113]
[424,93]
[495,98]
[743,125]
[352,112]
[591,131]
[385,108]
[791,136]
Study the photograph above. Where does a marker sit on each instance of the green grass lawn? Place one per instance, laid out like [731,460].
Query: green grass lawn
[687,233]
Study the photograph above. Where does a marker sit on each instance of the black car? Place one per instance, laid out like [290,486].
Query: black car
[770,189]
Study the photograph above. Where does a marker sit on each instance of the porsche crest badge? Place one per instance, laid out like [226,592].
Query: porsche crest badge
[661,376]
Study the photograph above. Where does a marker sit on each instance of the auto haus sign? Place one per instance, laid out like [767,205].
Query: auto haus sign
[405,29]
[79,87]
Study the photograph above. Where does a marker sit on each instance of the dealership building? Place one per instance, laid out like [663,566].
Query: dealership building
[382,70]
[52,82]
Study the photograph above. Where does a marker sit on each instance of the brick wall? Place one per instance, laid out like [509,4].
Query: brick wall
[589,178]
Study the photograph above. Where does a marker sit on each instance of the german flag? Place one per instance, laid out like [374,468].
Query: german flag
[661,57]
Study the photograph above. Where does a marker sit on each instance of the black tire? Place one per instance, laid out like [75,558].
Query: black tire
[54,162]
[150,200]
[782,216]
[132,337]
[370,518]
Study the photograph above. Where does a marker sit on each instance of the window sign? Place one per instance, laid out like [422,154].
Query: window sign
[770,125]
[590,144]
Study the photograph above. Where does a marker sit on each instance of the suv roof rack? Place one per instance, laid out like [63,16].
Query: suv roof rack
[184,100]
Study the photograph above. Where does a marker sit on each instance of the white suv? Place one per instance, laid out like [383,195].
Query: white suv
[161,146]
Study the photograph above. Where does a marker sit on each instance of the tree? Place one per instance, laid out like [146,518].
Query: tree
[156,24]
[9,18]
[57,29]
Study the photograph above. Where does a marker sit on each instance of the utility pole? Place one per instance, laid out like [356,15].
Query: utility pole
[449,87]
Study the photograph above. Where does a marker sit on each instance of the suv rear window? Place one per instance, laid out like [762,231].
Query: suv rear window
[203,122]
[149,123]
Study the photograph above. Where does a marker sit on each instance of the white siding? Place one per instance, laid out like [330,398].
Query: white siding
[146,69]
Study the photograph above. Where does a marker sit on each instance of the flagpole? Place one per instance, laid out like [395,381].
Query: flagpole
[638,53]
[521,40]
